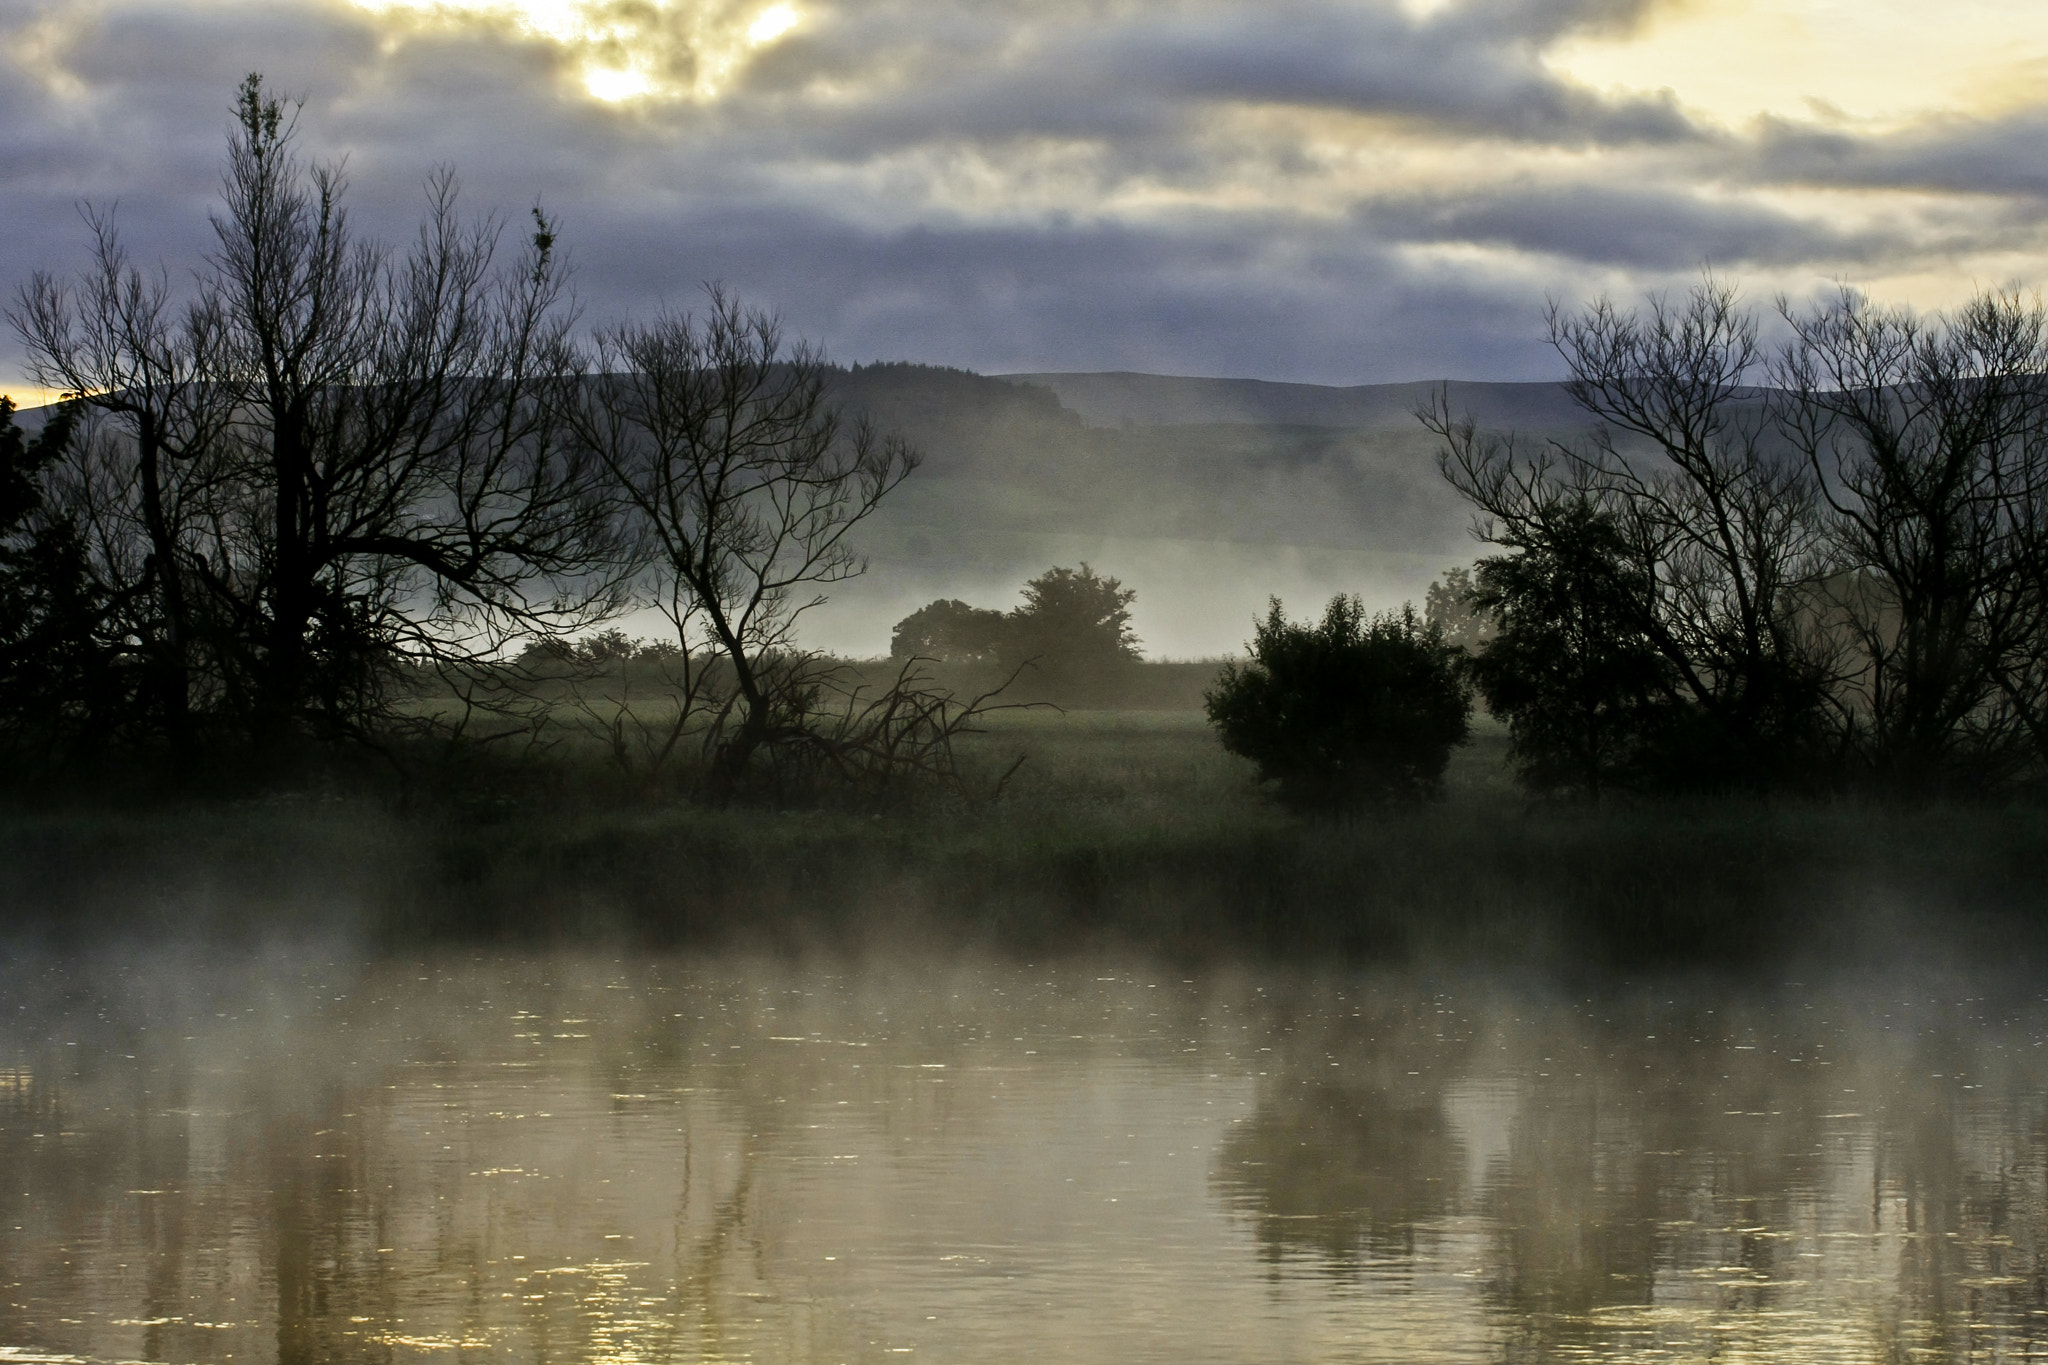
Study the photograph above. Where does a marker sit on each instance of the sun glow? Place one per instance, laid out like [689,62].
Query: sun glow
[27,396]
[772,23]
[656,50]
[1877,64]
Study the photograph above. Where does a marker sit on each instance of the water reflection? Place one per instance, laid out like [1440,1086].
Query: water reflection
[1818,1179]
[549,1161]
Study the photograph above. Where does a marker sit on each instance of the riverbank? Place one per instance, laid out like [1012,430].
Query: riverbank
[1126,830]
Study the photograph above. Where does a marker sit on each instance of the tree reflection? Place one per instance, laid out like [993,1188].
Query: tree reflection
[1339,1174]
[556,1171]
[1348,1151]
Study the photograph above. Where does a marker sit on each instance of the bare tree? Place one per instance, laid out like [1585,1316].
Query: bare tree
[345,459]
[147,367]
[1928,439]
[741,486]
[1725,528]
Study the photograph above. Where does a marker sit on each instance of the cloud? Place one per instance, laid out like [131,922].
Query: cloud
[1657,228]
[1461,73]
[1970,156]
[1335,190]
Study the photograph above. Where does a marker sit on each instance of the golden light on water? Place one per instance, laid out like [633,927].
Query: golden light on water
[658,50]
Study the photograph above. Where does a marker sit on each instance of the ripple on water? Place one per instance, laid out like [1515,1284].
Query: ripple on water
[511,1159]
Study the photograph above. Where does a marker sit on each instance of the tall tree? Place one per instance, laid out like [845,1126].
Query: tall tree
[345,458]
[740,486]
[58,671]
[1726,527]
[1930,440]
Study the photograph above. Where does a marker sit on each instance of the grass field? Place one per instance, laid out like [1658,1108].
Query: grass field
[1130,831]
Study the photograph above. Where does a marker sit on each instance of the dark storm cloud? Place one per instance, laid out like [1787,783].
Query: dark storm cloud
[1602,225]
[1474,72]
[2002,156]
[1210,297]
[1459,73]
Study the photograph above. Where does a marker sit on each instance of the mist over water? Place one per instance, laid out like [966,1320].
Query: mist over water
[528,1158]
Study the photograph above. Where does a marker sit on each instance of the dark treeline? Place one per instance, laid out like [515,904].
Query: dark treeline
[1069,642]
[1818,567]
[314,504]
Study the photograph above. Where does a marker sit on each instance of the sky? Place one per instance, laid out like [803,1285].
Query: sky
[1327,191]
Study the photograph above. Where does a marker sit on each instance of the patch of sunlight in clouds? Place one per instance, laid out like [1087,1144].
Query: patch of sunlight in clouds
[654,50]
[1878,64]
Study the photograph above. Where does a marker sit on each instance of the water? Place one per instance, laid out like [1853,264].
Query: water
[485,1159]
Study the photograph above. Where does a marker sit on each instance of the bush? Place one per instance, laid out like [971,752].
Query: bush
[1351,711]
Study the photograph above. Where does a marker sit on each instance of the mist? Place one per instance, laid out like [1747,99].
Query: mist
[1205,496]
[548,818]
[583,1155]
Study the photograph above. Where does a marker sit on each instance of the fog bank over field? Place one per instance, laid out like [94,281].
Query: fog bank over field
[1205,495]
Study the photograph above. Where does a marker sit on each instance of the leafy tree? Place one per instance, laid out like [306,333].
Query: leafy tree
[1449,609]
[608,648]
[950,632]
[1071,638]
[1571,670]
[1723,527]
[57,669]
[1353,710]
[1074,632]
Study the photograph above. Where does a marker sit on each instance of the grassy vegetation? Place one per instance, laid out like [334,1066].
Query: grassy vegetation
[1122,829]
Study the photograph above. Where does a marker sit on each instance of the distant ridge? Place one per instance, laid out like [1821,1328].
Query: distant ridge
[1124,398]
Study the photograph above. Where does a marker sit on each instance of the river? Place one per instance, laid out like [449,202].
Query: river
[525,1159]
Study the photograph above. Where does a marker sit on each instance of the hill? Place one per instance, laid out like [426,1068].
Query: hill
[1206,495]
[1120,398]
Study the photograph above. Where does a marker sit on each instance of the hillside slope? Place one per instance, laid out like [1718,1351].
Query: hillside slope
[1207,496]
[1119,398]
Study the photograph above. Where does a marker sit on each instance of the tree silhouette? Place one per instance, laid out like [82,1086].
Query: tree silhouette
[59,679]
[333,460]
[1723,525]
[950,632]
[1073,632]
[739,486]
[1353,710]
[1448,608]
[1571,669]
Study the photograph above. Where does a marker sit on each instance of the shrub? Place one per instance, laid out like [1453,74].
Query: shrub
[1357,709]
